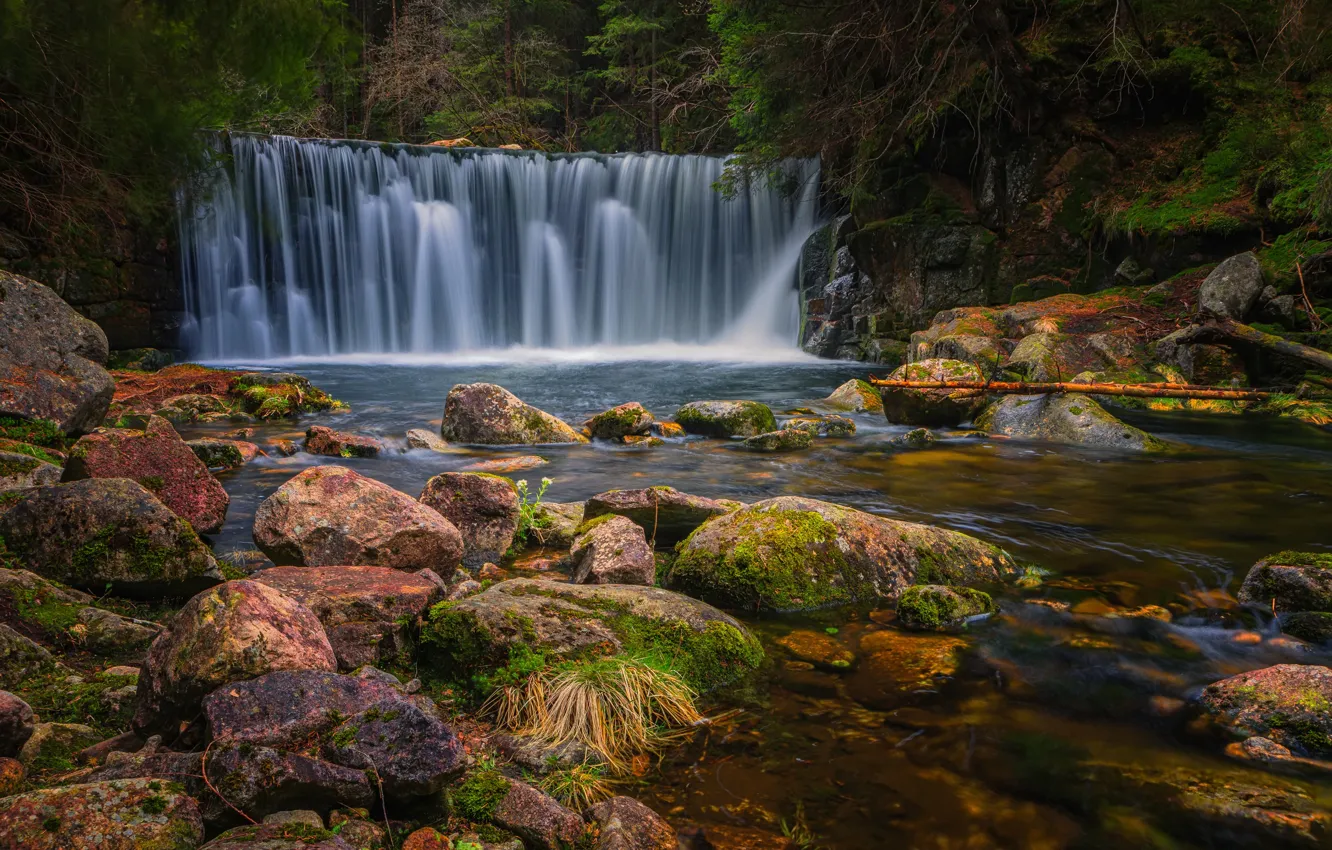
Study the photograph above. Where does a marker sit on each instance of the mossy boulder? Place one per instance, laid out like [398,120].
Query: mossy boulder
[237,631]
[19,470]
[484,509]
[1290,581]
[156,457]
[555,524]
[329,443]
[1288,703]
[1232,289]
[938,608]
[933,408]
[1068,418]
[223,454]
[612,552]
[785,440]
[1311,626]
[916,438]
[53,746]
[126,814]
[262,780]
[487,414]
[67,617]
[856,395]
[537,818]
[726,418]
[332,516]
[20,657]
[626,420]
[483,633]
[793,553]
[107,531]
[667,515]
[831,425]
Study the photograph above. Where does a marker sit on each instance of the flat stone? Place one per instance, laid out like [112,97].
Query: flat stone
[55,742]
[785,440]
[420,438]
[325,441]
[817,648]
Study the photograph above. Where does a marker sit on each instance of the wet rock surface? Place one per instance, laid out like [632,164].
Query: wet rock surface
[939,608]
[1066,418]
[484,509]
[1290,704]
[625,420]
[785,440]
[325,441]
[1290,582]
[664,513]
[933,408]
[726,418]
[857,396]
[487,414]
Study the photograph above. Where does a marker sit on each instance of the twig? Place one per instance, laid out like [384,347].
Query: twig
[1314,321]
[213,788]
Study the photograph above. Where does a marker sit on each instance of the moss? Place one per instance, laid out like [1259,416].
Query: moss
[59,701]
[749,417]
[53,617]
[17,466]
[937,608]
[479,795]
[1289,558]
[154,805]
[37,432]
[154,483]
[144,558]
[590,524]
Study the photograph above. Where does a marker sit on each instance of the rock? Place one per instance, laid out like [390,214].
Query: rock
[1231,291]
[666,514]
[1269,755]
[1290,704]
[285,448]
[20,657]
[237,631]
[726,418]
[325,441]
[627,420]
[817,648]
[363,609]
[1060,357]
[16,724]
[554,524]
[296,816]
[933,408]
[831,425]
[612,551]
[12,775]
[856,395]
[126,814]
[50,359]
[669,430]
[895,666]
[360,833]
[260,780]
[487,414]
[21,470]
[64,615]
[541,757]
[223,454]
[1290,581]
[938,608]
[427,838]
[420,438]
[536,818]
[52,746]
[623,823]
[332,516]
[159,459]
[1067,418]
[916,438]
[505,464]
[108,531]
[707,647]
[1313,626]
[274,836]
[140,359]
[483,507]
[413,753]
[792,553]
[786,440]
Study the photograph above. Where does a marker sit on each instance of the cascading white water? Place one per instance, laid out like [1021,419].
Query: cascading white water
[315,247]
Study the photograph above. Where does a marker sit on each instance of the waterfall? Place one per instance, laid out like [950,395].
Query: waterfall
[318,247]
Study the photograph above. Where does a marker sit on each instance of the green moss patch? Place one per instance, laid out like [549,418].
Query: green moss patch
[939,608]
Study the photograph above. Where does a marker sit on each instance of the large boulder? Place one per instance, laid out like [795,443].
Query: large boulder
[1231,291]
[364,610]
[726,418]
[237,631]
[626,420]
[1289,703]
[261,780]
[50,359]
[623,823]
[16,724]
[484,509]
[793,553]
[410,750]
[332,516]
[487,414]
[108,531]
[63,615]
[855,395]
[933,408]
[1290,582]
[707,647]
[667,515]
[20,657]
[1068,418]
[612,551]
[156,457]
[124,814]
[22,470]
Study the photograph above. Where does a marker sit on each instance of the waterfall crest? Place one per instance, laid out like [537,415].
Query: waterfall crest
[318,247]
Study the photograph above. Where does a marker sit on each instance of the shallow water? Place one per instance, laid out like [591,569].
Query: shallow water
[868,756]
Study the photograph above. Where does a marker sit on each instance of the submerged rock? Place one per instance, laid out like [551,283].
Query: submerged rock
[817,648]
[484,509]
[895,666]
[667,515]
[332,516]
[792,553]
[626,420]
[612,550]
[1290,704]
[726,418]
[51,359]
[156,457]
[933,408]
[856,395]
[705,646]
[786,440]
[1065,418]
[126,814]
[107,531]
[939,608]
[487,414]
[1290,581]
[329,443]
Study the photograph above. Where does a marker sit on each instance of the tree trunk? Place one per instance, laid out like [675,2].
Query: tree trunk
[1040,388]
[1231,333]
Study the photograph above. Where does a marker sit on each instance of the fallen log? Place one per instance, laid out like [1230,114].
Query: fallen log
[1229,332]
[1040,388]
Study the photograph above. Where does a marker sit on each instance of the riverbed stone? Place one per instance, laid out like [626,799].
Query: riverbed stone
[537,818]
[791,553]
[332,516]
[667,515]
[1289,582]
[785,440]
[278,836]
[16,724]
[156,457]
[817,648]
[612,551]
[412,751]
[420,438]
[933,408]
[329,443]
[895,666]
[108,531]
[707,647]
[1068,418]
[625,420]
[831,425]
[236,631]
[484,509]
[1287,703]
[488,414]
[223,454]
[555,524]
[857,396]
[21,470]
[126,814]
[916,438]
[939,608]
[1311,626]
[51,359]
[623,823]
[1231,291]
[726,418]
